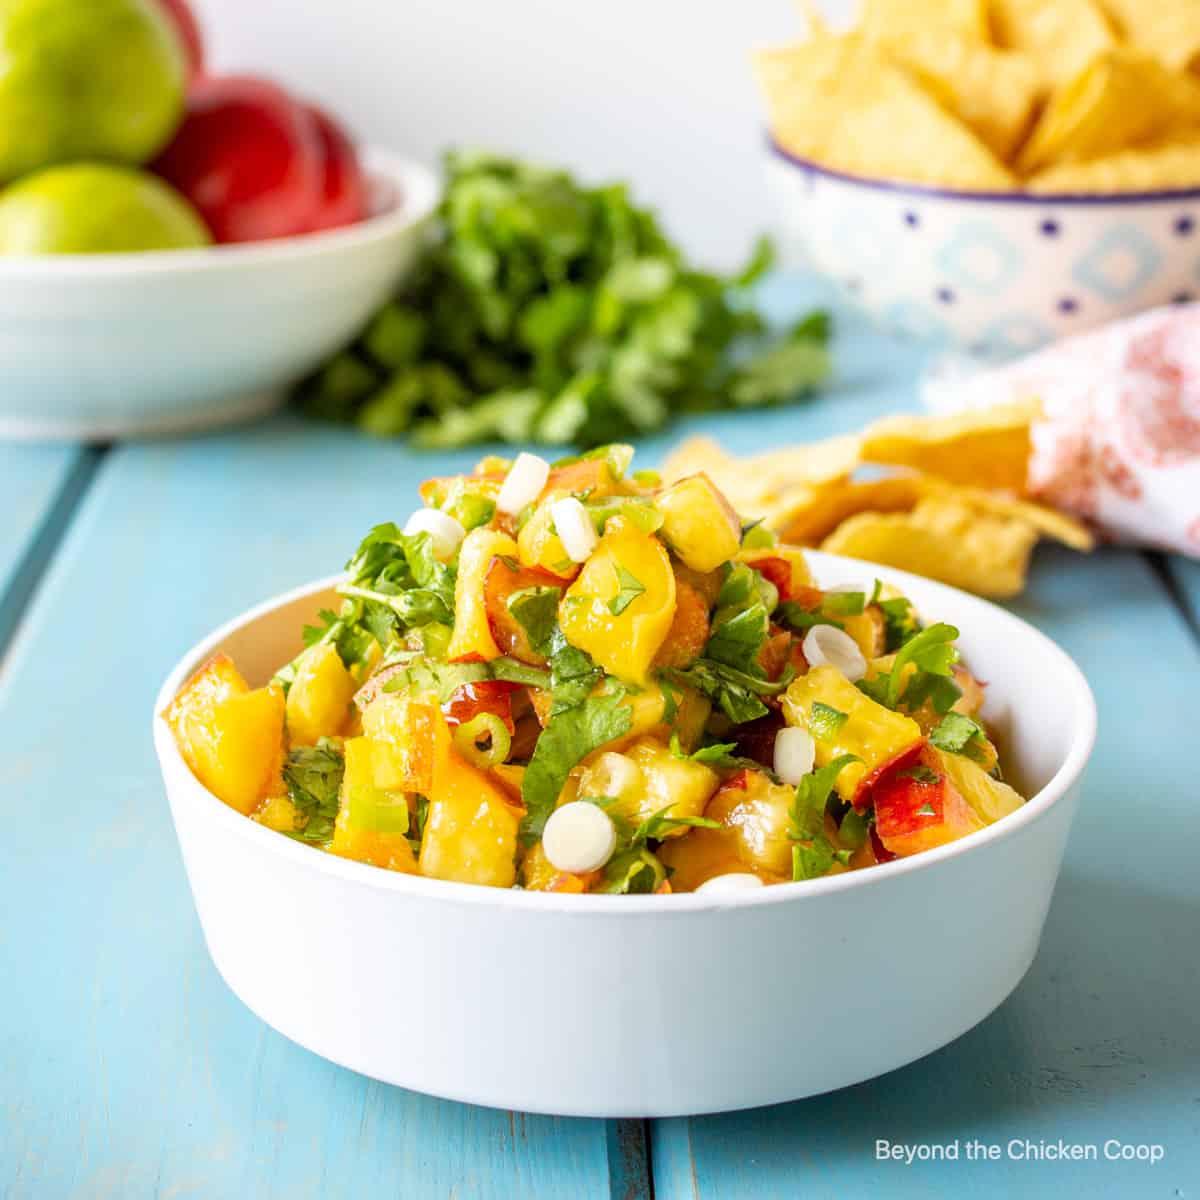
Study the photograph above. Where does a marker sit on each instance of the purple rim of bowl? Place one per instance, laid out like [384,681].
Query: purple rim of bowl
[1042,198]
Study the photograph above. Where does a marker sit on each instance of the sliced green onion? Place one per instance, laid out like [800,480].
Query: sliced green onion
[484,740]
[512,671]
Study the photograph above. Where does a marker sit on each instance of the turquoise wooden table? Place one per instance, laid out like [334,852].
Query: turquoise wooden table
[128,1070]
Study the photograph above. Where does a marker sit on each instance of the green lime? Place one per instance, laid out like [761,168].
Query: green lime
[87,208]
[86,79]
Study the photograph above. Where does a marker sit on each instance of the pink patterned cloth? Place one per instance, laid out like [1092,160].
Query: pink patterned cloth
[1119,445]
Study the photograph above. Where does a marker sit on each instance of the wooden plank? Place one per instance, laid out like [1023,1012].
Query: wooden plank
[35,482]
[128,1068]
[1102,1039]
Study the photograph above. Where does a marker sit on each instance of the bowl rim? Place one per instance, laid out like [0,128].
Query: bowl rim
[930,191]
[418,185]
[177,775]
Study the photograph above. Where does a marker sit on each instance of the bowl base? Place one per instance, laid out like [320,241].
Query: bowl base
[238,411]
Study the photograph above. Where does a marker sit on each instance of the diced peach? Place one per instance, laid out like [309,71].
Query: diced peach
[471,830]
[688,634]
[501,582]
[318,702]
[622,631]
[699,524]
[402,728]
[472,639]
[917,807]
[231,737]
[392,851]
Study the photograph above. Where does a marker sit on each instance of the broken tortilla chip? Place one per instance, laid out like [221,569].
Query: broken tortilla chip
[946,539]
[987,448]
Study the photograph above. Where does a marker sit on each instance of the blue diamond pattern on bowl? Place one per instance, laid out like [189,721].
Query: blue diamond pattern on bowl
[1015,333]
[978,258]
[1119,264]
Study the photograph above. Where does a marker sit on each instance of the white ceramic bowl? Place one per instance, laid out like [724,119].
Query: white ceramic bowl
[648,1005]
[120,345]
[1001,272]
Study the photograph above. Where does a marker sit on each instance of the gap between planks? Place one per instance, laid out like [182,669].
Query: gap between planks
[17,596]
[630,1168]
[1158,562]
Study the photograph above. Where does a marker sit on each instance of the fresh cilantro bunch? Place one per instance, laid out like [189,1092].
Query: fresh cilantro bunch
[546,311]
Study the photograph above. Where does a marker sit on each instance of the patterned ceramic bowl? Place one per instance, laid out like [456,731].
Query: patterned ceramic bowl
[995,272]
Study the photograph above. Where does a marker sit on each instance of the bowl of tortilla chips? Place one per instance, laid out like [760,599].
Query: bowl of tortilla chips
[994,173]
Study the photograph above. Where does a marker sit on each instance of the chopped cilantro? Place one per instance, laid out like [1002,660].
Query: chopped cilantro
[656,827]
[954,733]
[635,871]
[569,736]
[899,621]
[931,652]
[719,754]
[737,640]
[536,610]
[825,721]
[812,794]
[798,619]
[313,778]
[926,810]
[736,693]
[853,829]
[631,588]
[549,311]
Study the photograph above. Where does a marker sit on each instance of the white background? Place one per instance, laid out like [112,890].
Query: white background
[656,91]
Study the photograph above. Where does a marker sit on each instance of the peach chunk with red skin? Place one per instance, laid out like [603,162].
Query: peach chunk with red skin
[917,807]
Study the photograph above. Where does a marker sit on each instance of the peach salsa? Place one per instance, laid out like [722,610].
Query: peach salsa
[566,677]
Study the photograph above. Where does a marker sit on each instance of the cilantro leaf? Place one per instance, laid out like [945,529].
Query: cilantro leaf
[636,871]
[737,640]
[812,795]
[313,778]
[900,622]
[825,721]
[736,693]
[631,589]
[569,736]
[719,754]
[812,852]
[930,651]
[656,827]
[536,611]
[573,677]
[954,732]
[798,619]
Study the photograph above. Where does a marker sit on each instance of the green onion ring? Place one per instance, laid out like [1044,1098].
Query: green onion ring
[484,725]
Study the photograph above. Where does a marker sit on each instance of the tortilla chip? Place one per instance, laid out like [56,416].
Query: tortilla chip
[1163,166]
[1049,522]
[1062,35]
[987,448]
[945,539]
[827,507]
[1168,29]
[764,474]
[841,102]
[898,18]
[1123,97]
[991,91]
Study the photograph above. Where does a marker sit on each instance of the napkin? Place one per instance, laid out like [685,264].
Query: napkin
[1118,444]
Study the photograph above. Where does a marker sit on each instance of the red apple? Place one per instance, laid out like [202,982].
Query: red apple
[249,157]
[185,22]
[918,808]
[344,197]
